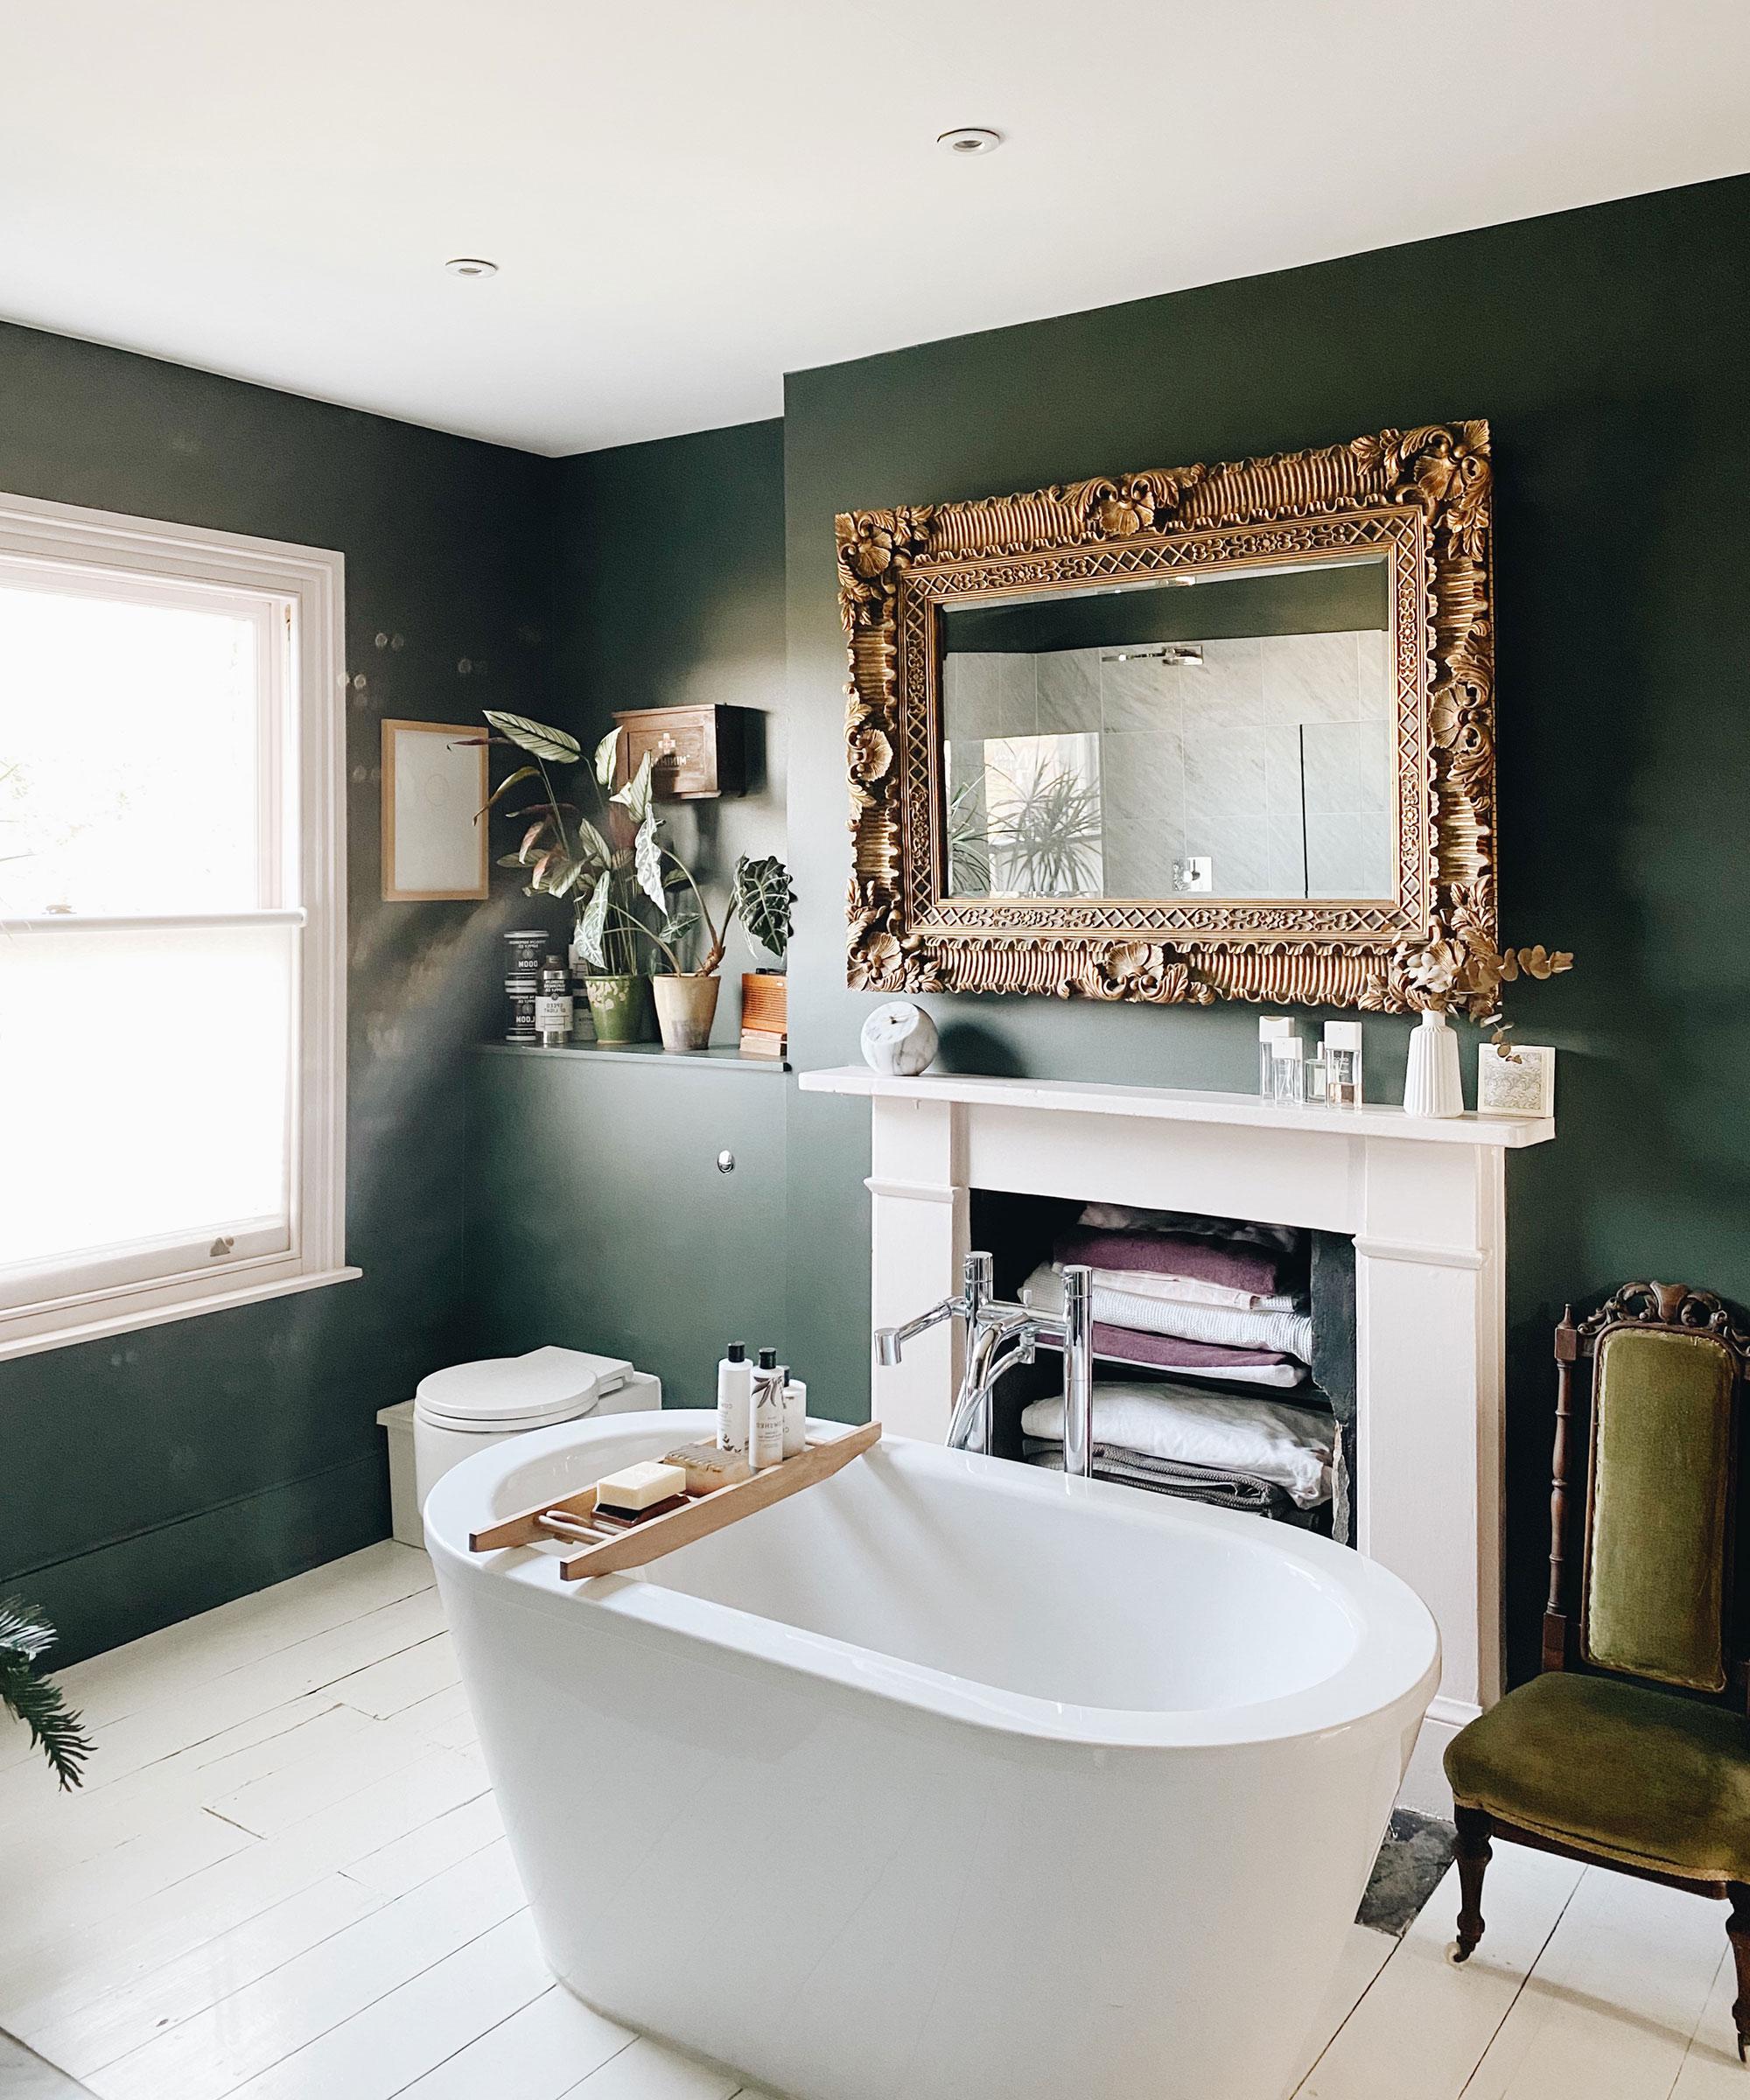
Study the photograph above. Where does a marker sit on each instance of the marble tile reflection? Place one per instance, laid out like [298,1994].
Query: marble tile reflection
[1017,687]
[971,706]
[1226,691]
[1309,678]
[1373,682]
[1331,774]
[1377,757]
[1224,773]
[1335,859]
[1238,848]
[1141,693]
[1068,691]
[1143,790]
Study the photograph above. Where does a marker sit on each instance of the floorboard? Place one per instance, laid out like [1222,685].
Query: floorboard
[287,1880]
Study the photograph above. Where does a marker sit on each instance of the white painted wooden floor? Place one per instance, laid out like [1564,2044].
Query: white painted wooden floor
[284,1879]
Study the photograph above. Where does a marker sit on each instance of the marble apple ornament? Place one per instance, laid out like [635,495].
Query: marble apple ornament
[899,1041]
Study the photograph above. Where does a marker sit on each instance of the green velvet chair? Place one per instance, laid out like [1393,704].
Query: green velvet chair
[1632,1749]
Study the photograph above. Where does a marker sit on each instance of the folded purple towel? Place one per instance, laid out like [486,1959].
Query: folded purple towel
[1194,1359]
[1257,1269]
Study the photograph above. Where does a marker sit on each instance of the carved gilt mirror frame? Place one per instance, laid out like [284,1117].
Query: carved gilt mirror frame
[1419,499]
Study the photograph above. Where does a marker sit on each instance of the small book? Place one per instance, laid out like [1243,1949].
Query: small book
[755,1042]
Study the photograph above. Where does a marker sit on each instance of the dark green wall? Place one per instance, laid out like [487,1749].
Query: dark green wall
[1606,348]
[599,1218]
[155,1475]
[670,592]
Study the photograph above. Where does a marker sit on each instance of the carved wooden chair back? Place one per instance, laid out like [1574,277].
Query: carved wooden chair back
[1653,1382]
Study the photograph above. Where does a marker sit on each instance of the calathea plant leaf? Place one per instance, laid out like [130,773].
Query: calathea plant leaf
[593,923]
[535,738]
[562,884]
[523,772]
[648,857]
[594,848]
[531,839]
[606,751]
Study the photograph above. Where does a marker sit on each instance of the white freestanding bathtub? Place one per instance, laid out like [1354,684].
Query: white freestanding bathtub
[944,1780]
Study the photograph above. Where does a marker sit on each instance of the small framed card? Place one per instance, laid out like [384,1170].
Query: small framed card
[434,786]
[1518,1079]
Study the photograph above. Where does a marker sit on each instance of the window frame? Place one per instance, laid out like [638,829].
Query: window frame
[307,886]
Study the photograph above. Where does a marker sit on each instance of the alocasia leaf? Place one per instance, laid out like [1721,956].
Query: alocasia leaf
[634,797]
[593,924]
[647,855]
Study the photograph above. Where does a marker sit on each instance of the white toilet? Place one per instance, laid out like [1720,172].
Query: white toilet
[470,1407]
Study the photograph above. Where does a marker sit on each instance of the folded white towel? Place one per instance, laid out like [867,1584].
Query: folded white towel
[1287,1334]
[1292,1446]
[1190,1290]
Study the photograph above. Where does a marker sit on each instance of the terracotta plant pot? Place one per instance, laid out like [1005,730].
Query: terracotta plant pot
[685,1008]
[617,1008]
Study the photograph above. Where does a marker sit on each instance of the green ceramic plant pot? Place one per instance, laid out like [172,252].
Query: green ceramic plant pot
[618,1007]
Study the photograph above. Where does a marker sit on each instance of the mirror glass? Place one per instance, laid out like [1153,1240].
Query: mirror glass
[1230,735]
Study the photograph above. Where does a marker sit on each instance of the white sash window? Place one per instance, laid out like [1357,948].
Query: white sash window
[171,922]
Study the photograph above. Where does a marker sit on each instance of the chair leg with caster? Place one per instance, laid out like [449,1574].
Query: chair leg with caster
[1738,1931]
[1474,1853]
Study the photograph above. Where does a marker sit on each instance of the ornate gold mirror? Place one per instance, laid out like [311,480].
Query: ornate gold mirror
[1215,731]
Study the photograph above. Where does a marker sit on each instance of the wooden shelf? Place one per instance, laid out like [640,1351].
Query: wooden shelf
[720,1057]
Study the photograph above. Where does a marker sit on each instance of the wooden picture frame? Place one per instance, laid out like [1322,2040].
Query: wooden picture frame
[1419,500]
[434,786]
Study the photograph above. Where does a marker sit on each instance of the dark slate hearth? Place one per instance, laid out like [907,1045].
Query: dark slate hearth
[1416,1851]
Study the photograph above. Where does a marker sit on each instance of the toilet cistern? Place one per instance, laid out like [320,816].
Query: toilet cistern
[1000,1335]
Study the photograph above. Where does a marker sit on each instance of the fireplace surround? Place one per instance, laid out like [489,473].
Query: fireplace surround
[1425,1202]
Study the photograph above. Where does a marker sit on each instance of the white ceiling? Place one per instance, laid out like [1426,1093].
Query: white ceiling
[689,198]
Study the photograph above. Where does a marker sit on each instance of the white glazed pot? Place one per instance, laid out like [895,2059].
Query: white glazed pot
[899,1041]
[1432,1086]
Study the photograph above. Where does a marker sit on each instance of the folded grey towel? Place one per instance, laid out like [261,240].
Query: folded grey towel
[1168,1476]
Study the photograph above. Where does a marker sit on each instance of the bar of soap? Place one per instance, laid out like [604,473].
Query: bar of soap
[634,1487]
[707,1468]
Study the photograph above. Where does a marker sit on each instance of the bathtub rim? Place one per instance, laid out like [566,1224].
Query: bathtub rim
[1397,1668]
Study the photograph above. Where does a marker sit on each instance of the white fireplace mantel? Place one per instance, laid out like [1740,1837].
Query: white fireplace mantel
[1424,1202]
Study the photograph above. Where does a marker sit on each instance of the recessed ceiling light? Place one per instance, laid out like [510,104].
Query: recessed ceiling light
[471,266]
[970,139]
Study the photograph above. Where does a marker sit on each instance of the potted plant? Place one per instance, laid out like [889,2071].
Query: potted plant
[600,867]
[25,1635]
[611,877]
[764,896]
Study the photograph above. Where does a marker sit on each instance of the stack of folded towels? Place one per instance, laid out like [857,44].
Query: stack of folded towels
[1203,1298]
[1209,1298]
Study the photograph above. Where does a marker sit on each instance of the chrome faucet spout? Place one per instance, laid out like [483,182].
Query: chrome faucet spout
[999,1336]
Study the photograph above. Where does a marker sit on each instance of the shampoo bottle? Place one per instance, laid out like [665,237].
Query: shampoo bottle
[734,1387]
[766,1425]
[795,1415]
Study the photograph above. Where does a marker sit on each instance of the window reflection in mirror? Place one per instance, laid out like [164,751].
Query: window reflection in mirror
[1232,738]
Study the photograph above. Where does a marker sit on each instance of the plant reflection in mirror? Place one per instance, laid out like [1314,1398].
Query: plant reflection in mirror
[1043,822]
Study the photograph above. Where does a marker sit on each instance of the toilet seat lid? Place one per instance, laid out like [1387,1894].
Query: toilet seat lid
[533,1391]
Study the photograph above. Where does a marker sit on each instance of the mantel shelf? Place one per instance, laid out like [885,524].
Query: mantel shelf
[1176,1104]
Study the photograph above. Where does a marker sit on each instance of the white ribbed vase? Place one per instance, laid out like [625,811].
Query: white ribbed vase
[1432,1086]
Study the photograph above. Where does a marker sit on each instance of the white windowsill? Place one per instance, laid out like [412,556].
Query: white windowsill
[158,1316]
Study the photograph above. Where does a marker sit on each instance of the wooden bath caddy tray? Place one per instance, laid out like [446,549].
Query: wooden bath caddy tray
[610,1552]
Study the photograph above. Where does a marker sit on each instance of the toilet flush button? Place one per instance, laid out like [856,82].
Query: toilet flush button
[726,1163]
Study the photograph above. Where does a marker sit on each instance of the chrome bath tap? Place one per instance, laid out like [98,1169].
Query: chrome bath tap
[1000,1335]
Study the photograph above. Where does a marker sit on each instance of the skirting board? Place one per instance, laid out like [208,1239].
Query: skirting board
[1424,1787]
[134,1585]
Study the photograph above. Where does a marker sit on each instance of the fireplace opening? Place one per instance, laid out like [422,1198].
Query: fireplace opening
[1264,1330]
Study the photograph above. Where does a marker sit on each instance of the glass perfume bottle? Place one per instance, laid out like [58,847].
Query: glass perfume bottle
[1288,1072]
[1343,1063]
[1273,1028]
